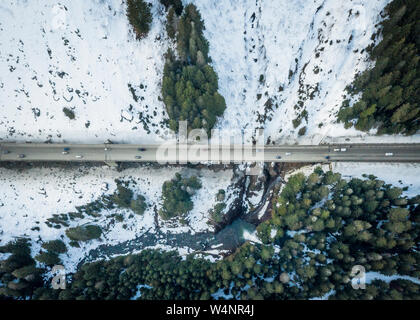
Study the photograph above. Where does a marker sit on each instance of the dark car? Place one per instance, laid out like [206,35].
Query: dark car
[66,149]
[278,157]
[141,149]
[137,157]
[5,152]
[327,157]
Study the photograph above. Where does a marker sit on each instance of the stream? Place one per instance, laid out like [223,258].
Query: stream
[228,238]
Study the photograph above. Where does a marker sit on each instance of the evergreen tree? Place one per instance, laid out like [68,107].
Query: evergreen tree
[390,90]
[139,16]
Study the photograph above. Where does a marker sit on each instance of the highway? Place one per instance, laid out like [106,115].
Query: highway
[173,153]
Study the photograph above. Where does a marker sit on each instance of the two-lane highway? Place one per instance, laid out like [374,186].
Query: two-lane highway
[204,153]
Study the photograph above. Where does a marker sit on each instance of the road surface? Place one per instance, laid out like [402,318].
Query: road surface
[196,153]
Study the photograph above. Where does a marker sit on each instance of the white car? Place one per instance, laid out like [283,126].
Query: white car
[65,152]
[336,150]
[343,149]
[107,149]
[79,156]
[389,154]
[288,153]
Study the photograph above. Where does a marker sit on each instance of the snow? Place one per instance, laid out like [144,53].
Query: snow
[81,55]
[255,198]
[325,296]
[371,276]
[263,210]
[4,256]
[138,292]
[273,233]
[322,42]
[399,174]
[29,197]
[221,293]
[251,236]
[203,200]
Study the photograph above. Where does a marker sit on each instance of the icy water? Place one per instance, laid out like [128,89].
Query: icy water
[232,236]
[229,238]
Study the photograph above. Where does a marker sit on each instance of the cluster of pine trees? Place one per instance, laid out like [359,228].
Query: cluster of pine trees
[380,290]
[123,197]
[50,256]
[19,276]
[321,226]
[176,195]
[217,212]
[324,218]
[189,85]
[139,16]
[390,92]
[84,233]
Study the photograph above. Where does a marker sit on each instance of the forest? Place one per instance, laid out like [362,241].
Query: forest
[190,84]
[321,226]
[176,195]
[390,91]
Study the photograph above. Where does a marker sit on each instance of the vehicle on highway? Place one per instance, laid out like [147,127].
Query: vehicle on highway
[278,157]
[328,157]
[288,154]
[21,156]
[79,156]
[137,157]
[66,149]
[336,150]
[343,149]
[389,154]
[141,149]
[5,152]
[65,152]
[107,149]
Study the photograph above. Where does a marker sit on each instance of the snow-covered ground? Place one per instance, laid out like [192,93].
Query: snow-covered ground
[273,55]
[372,276]
[270,56]
[29,197]
[83,56]
[399,174]
[274,59]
